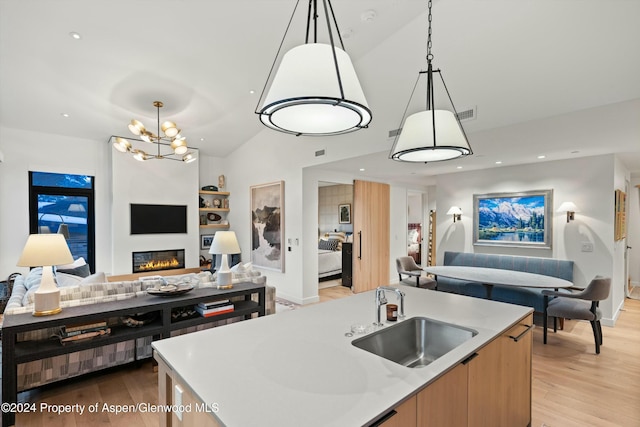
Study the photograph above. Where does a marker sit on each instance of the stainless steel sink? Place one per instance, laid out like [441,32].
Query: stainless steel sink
[415,342]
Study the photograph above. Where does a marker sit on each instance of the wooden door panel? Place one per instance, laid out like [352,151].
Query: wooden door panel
[371,206]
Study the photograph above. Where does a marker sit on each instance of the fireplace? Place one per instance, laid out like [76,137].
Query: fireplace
[157,260]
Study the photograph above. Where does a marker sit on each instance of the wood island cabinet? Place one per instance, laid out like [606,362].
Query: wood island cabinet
[491,388]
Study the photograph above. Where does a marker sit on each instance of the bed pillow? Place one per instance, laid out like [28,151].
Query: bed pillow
[329,245]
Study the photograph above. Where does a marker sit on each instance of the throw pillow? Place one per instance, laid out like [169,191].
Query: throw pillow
[82,271]
[77,263]
[329,245]
[94,278]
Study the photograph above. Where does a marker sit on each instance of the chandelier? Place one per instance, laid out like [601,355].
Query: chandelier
[315,91]
[436,133]
[170,145]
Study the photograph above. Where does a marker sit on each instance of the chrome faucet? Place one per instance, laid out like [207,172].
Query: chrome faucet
[381,299]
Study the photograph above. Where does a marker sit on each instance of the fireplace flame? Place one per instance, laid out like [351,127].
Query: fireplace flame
[159,265]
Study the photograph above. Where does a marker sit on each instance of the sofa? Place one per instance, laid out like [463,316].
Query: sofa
[531,297]
[94,289]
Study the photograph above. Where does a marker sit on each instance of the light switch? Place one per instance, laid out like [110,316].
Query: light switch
[177,401]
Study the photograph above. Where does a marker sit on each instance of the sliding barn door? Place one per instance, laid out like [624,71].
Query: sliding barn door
[371,208]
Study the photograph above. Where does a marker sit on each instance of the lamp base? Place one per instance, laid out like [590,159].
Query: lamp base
[224,279]
[47,312]
[46,299]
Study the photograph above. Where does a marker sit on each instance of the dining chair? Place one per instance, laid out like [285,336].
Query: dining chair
[581,305]
[406,265]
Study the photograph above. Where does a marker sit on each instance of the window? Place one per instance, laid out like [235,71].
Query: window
[64,203]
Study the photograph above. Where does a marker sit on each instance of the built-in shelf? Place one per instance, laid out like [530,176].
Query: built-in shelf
[215,193]
[214,209]
[222,201]
[220,226]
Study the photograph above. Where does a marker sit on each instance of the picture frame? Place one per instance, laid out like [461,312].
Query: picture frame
[344,213]
[205,241]
[520,219]
[619,227]
[267,225]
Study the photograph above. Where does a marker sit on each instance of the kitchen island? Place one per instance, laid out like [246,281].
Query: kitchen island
[298,368]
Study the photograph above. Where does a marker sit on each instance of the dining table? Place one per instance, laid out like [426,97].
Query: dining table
[490,277]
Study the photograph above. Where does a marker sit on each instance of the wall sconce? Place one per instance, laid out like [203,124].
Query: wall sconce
[570,208]
[456,212]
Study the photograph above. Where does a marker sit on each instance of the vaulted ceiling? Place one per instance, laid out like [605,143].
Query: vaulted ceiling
[515,61]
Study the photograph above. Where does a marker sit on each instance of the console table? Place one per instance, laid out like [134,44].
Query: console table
[14,353]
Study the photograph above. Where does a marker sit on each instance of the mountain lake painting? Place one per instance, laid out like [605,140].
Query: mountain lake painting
[518,219]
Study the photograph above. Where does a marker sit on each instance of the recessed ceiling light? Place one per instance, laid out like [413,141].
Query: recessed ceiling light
[459,167]
[368,15]
[361,169]
[252,92]
[75,36]
[499,162]
[542,156]
[64,114]
[201,139]
[347,33]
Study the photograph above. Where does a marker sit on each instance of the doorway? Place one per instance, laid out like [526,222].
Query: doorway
[415,226]
[335,234]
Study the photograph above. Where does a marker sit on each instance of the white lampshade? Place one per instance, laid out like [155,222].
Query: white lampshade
[136,127]
[224,242]
[179,146]
[46,250]
[568,207]
[121,144]
[415,143]
[304,95]
[454,210]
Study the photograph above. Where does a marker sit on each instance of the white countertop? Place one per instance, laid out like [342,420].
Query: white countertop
[298,368]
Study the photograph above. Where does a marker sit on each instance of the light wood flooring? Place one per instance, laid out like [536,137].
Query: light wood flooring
[571,385]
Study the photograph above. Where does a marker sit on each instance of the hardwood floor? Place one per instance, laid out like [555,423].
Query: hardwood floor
[571,385]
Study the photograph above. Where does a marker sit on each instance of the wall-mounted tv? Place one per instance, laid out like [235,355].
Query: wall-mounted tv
[158,219]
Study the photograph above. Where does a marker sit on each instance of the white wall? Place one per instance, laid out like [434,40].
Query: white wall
[633,229]
[26,151]
[587,181]
[163,182]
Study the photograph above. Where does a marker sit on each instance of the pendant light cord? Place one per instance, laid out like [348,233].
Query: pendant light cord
[429,54]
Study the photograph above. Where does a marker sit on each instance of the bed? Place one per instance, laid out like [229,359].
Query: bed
[330,255]
[329,264]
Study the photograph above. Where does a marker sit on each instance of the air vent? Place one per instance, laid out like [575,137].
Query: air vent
[319,153]
[468,114]
[394,133]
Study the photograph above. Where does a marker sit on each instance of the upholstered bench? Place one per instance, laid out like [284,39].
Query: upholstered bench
[530,297]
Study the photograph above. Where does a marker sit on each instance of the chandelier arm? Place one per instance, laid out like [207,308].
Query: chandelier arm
[158,117]
[333,49]
[335,22]
[165,144]
[266,84]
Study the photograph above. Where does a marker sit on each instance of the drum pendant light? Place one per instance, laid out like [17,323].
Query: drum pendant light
[315,91]
[434,134]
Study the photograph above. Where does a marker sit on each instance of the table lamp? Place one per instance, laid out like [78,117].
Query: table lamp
[224,243]
[46,250]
